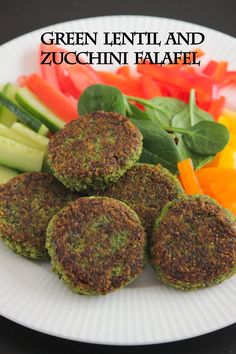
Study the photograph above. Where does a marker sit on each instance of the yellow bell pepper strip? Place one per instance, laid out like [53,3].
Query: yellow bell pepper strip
[228,118]
[232,141]
[223,119]
[188,177]
[227,158]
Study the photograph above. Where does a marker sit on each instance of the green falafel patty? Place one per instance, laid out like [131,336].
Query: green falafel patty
[94,150]
[97,245]
[27,203]
[193,244]
[146,189]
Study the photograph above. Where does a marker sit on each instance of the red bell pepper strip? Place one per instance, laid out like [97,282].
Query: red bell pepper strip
[216,70]
[65,83]
[216,107]
[64,80]
[181,79]
[124,71]
[210,68]
[52,97]
[179,93]
[48,71]
[165,90]
[205,105]
[70,79]
[229,78]
[220,71]
[74,79]
[131,87]
[188,69]
[82,76]
[150,87]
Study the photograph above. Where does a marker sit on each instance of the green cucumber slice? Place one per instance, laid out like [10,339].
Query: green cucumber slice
[23,115]
[19,156]
[6,174]
[37,141]
[11,134]
[43,130]
[32,104]
[10,91]
[7,117]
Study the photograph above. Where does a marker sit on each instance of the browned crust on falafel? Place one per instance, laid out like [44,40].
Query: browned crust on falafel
[27,203]
[97,245]
[194,243]
[94,149]
[146,189]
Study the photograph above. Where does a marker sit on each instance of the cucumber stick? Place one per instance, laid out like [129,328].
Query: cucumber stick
[11,134]
[6,174]
[31,103]
[7,117]
[10,91]
[19,156]
[33,139]
[24,116]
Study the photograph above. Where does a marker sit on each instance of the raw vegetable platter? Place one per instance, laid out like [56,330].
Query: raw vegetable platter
[146,311]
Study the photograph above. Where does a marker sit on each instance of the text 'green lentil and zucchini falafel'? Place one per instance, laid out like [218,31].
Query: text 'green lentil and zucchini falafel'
[193,244]
[27,204]
[97,245]
[94,150]
[146,189]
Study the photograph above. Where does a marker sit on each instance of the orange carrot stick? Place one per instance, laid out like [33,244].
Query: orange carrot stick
[52,98]
[188,177]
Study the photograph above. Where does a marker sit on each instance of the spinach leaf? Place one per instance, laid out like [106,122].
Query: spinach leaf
[190,115]
[101,98]
[206,138]
[197,159]
[158,147]
[199,137]
[135,112]
[166,109]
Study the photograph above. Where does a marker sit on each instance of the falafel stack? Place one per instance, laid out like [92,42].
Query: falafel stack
[104,212]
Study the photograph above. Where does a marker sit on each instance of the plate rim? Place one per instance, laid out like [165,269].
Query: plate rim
[104,342]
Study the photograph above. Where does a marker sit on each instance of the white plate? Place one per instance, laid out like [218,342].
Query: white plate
[146,311]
